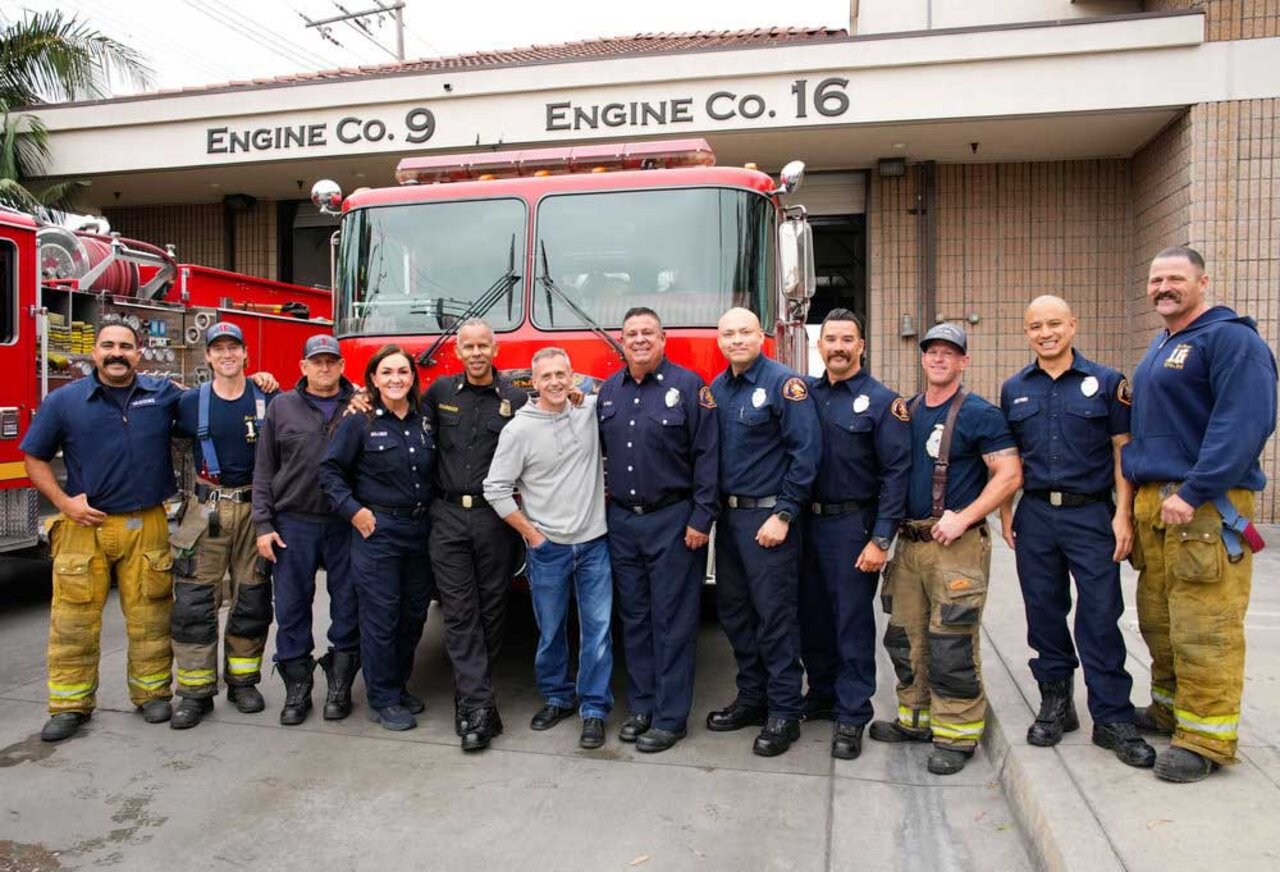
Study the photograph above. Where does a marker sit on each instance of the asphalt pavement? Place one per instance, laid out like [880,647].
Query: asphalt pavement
[240,791]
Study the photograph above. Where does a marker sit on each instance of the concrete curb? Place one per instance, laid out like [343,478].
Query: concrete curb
[1061,831]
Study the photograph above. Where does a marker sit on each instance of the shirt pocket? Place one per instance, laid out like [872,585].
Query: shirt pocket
[1023,417]
[1084,423]
[859,424]
[753,417]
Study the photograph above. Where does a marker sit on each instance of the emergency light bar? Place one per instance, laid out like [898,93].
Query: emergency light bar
[663,154]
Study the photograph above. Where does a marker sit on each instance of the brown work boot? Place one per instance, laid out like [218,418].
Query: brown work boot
[1146,721]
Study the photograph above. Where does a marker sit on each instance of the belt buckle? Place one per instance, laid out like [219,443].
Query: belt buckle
[1055,498]
[816,508]
[733,501]
[466,501]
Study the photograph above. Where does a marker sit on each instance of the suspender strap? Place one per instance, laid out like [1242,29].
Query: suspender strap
[212,468]
[942,464]
[1238,531]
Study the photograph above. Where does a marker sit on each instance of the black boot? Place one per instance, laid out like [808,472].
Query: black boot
[1057,713]
[340,669]
[298,680]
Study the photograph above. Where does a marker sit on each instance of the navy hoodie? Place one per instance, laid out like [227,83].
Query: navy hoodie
[1204,403]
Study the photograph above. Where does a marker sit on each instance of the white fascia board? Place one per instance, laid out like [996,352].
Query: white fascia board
[968,46]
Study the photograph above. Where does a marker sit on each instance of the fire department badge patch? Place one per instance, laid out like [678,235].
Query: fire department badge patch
[706,399]
[900,411]
[504,409]
[1124,393]
[794,389]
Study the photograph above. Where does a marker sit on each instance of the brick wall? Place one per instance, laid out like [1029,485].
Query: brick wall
[196,230]
[1006,233]
[1228,19]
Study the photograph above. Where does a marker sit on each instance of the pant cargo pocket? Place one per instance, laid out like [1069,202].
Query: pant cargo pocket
[157,573]
[1198,550]
[72,580]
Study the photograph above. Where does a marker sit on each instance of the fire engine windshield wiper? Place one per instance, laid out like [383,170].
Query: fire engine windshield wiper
[551,287]
[486,301]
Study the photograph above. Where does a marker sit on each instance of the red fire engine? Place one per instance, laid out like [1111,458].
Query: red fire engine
[552,246]
[55,285]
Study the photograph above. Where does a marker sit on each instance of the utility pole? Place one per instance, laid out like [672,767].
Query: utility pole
[356,22]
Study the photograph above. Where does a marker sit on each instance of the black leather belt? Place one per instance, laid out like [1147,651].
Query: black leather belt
[1066,498]
[648,508]
[734,501]
[207,493]
[841,508]
[415,513]
[467,501]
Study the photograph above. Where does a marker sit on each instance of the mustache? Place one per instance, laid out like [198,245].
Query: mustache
[107,361]
[1168,295]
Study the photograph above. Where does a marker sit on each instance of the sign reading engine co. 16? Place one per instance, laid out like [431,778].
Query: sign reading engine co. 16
[808,100]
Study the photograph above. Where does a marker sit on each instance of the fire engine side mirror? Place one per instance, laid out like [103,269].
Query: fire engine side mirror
[795,257]
[791,177]
[327,196]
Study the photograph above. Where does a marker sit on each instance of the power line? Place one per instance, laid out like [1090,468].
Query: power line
[293,55]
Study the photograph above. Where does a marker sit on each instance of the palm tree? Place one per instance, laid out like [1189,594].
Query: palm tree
[48,57]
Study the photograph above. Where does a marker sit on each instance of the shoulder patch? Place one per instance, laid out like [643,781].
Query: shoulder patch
[795,389]
[900,410]
[705,398]
[1124,393]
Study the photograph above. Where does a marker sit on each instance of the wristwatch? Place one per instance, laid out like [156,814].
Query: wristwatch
[882,542]
[784,516]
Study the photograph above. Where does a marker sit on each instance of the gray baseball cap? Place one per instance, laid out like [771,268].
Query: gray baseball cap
[952,333]
[321,343]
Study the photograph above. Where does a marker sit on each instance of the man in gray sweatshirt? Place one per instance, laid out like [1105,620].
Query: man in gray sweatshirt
[551,452]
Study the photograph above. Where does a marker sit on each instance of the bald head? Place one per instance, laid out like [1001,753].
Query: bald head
[740,338]
[1050,328]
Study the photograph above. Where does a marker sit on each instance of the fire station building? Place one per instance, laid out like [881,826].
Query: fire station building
[963,155]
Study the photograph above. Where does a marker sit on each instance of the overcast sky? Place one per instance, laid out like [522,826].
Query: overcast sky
[192,42]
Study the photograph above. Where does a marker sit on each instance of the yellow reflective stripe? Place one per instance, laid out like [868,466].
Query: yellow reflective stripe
[197,676]
[244,665]
[971,730]
[156,679]
[71,691]
[1162,696]
[912,718]
[1214,726]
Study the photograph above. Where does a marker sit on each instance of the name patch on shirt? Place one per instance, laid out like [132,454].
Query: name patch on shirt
[1177,358]
[145,401]
[379,433]
[447,408]
[1021,400]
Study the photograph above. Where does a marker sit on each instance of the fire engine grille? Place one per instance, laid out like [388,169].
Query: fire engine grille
[19,509]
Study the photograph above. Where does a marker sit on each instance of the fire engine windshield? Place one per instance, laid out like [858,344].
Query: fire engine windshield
[689,254]
[419,267]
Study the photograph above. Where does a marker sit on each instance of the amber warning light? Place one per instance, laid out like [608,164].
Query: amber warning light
[666,154]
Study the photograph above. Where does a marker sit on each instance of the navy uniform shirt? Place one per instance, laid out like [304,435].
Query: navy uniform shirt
[233,427]
[660,439]
[117,454]
[1204,403]
[770,436]
[467,420]
[380,460]
[866,447]
[1064,426]
[980,429]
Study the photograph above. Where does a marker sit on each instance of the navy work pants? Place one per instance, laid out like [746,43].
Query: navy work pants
[1054,545]
[474,554]
[757,593]
[312,542]
[658,584]
[837,615]
[393,587]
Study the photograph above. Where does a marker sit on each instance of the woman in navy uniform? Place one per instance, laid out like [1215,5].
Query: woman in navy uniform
[377,474]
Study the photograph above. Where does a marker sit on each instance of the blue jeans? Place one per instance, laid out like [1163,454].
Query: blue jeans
[550,568]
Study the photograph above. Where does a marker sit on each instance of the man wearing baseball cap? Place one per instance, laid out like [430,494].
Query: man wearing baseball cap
[298,534]
[964,464]
[216,537]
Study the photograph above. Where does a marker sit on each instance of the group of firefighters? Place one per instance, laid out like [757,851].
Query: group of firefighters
[611,499]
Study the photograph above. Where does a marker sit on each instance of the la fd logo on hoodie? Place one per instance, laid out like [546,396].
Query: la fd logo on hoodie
[1178,357]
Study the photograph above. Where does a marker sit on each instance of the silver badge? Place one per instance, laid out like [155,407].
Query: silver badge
[758,397]
[861,404]
[504,409]
[673,397]
[1089,386]
[934,445]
